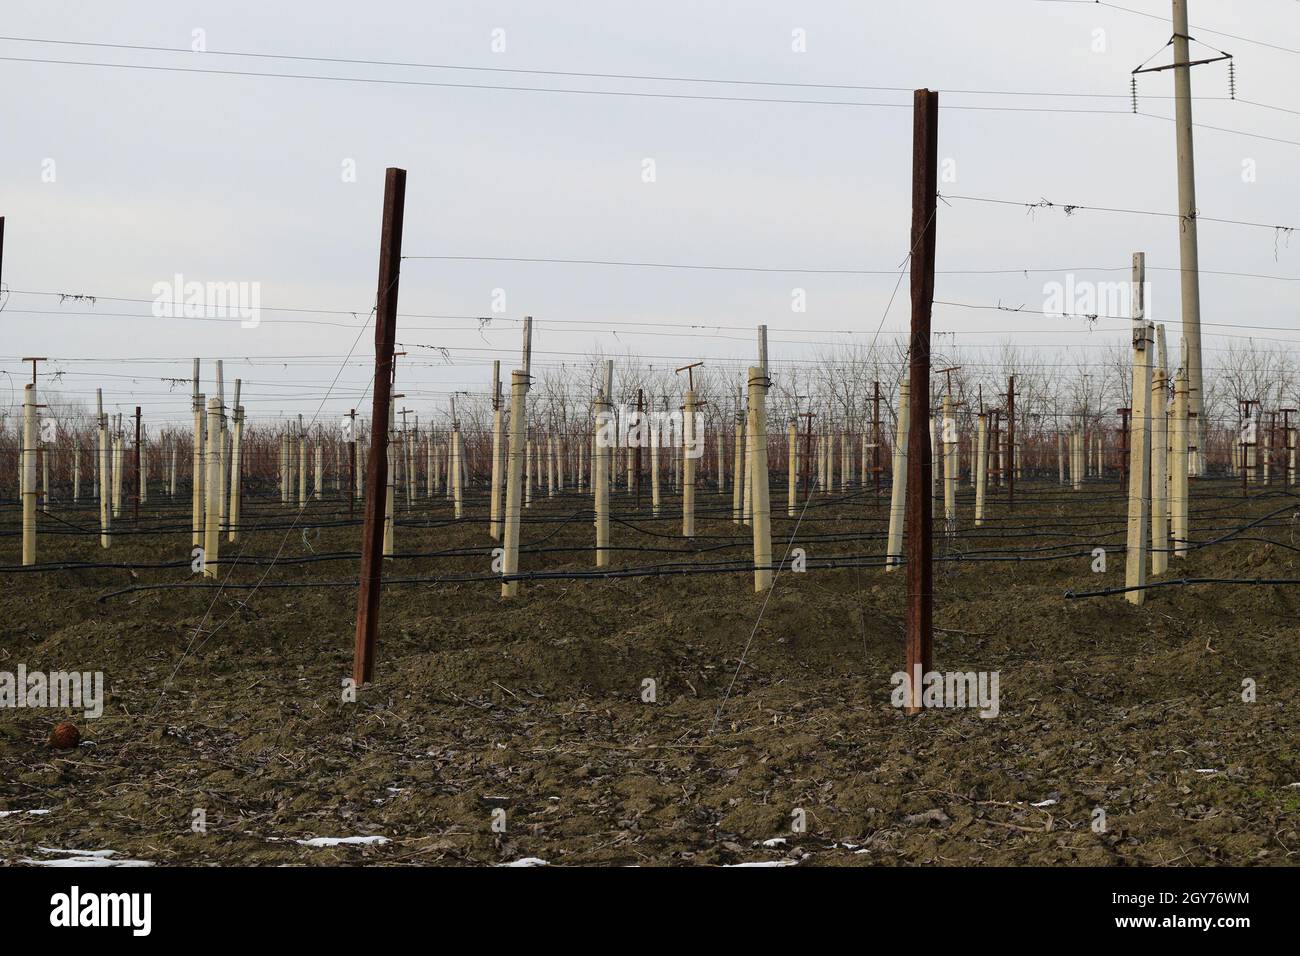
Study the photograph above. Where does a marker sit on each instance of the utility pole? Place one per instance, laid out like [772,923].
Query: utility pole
[920,506]
[1188,246]
[1189,254]
[372,550]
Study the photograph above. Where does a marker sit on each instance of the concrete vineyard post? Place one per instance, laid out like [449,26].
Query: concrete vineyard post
[949,436]
[529,469]
[196,491]
[1139,490]
[898,492]
[302,465]
[792,467]
[1159,482]
[494,484]
[655,492]
[458,470]
[601,483]
[236,466]
[212,485]
[1179,465]
[722,460]
[514,481]
[981,467]
[738,469]
[548,453]
[747,462]
[105,512]
[761,518]
[828,450]
[390,484]
[846,462]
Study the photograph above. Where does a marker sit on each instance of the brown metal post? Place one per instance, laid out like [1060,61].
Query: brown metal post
[372,535]
[875,437]
[352,464]
[920,507]
[636,453]
[1011,441]
[1124,414]
[137,464]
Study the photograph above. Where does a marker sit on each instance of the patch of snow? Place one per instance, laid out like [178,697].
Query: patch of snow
[1209,770]
[34,813]
[775,841]
[1044,803]
[733,866]
[340,841]
[526,861]
[86,858]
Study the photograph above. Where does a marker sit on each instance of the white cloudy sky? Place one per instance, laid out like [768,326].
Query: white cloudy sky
[239,178]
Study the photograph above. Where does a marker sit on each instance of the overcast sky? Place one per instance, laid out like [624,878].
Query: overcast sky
[113,180]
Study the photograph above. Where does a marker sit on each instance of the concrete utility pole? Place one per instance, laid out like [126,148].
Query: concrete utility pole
[1188,248]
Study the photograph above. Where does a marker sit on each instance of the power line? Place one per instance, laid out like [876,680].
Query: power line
[1071,208]
[537,89]
[639,77]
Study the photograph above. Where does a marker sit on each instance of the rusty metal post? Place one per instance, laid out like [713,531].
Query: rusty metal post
[372,536]
[641,435]
[875,438]
[1011,442]
[920,506]
[1124,414]
[136,503]
[352,463]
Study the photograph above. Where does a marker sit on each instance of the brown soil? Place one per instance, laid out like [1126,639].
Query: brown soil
[231,702]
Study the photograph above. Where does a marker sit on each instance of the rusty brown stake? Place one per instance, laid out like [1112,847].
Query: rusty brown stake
[352,464]
[636,453]
[1124,414]
[920,507]
[372,535]
[137,464]
[1011,442]
[875,439]
[807,454]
